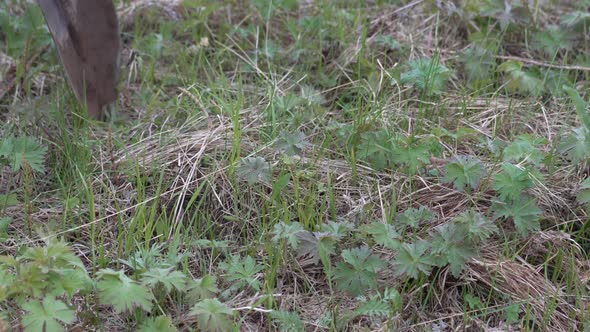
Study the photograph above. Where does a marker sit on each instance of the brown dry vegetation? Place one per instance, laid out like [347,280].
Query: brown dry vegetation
[165,172]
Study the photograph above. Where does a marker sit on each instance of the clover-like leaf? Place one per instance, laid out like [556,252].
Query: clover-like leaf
[464,172]
[212,315]
[21,151]
[287,321]
[584,193]
[507,13]
[202,288]
[168,277]
[312,95]
[477,225]
[413,259]
[479,63]
[254,170]
[376,148]
[413,216]
[521,80]
[452,244]
[575,146]
[358,271]
[315,246]
[512,182]
[46,315]
[383,234]
[123,293]
[413,155]
[337,230]
[157,324]
[523,211]
[287,232]
[576,20]
[552,40]
[428,75]
[524,149]
[243,271]
[292,143]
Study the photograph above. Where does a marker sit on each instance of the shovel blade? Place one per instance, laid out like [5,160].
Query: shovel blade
[86,33]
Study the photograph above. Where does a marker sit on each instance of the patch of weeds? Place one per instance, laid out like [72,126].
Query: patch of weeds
[357,272]
[526,81]
[19,151]
[254,170]
[427,75]
[464,172]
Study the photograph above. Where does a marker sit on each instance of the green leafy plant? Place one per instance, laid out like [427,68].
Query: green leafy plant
[288,321]
[524,149]
[507,13]
[382,150]
[122,292]
[213,315]
[4,223]
[451,244]
[337,230]
[413,216]
[48,315]
[427,75]
[388,42]
[576,145]
[157,324]
[376,148]
[464,172]
[24,32]
[555,80]
[8,200]
[478,227]
[383,234]
[413,259]
[552,40]
[167,277]
[19,151]
[311,95]
[413,154]
[145,259]
[292,143]
[529,82]
[457,241]
[242,271]
[52,270]
[523,211]
[577,21]
[43,280]
[254,170]
[288,233]
[479,63]
[512,182]
[154,277]
[380,304]
[316,246]
[358,271]
[583,196]
[202,288]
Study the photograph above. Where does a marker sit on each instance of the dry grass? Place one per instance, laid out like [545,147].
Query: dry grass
[195,151]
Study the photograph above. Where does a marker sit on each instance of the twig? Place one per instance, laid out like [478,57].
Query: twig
[253,309]
[542,64]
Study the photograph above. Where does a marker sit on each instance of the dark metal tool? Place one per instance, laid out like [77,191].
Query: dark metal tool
[86,33]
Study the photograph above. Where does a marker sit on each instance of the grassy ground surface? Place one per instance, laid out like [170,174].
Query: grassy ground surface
[302,165]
